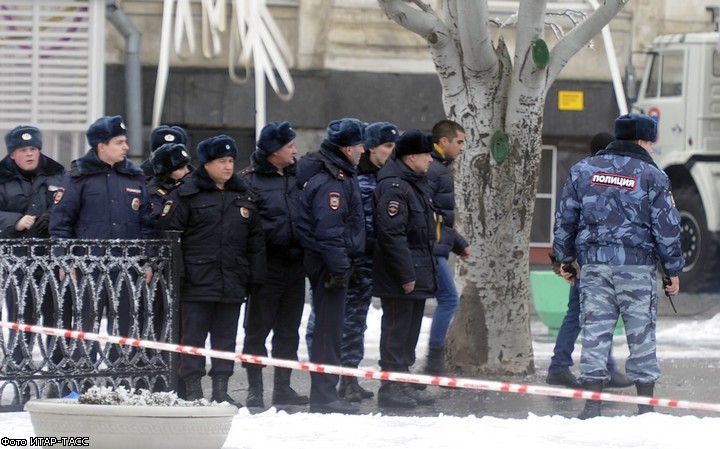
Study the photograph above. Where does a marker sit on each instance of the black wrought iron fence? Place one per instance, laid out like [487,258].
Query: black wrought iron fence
[119,287]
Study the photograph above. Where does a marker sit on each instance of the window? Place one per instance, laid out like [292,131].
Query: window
[541,233]
[672,74]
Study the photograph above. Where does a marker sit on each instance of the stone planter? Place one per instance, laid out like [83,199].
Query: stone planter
[132,426]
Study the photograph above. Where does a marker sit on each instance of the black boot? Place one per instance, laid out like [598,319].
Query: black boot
[283,394]
[351,391]
[646,390]
[392,394]
[434,362]
[592,407]
[219,390]
[193,388]
[255,386]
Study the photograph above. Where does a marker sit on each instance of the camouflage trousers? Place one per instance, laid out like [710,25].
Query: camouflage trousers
[610,291]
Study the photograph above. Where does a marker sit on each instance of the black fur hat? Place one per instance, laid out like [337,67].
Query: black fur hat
[104,129]
[635,127]
[379,133]
[169,157]
[346,132]
[167,134]
[414,141]
[274,136]
[215,148]
[23,136]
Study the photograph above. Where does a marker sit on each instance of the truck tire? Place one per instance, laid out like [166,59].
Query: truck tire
[699,246]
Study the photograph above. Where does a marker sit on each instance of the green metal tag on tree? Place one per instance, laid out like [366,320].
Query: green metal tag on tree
[499,146]
[540,53]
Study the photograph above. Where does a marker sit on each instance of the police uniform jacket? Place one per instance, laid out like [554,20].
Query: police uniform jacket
[223,248]
[99,201]
[405,229]
[159,187]
[617,209]
[441,189]
[277,203]
[331,221]
[367,180]
[26,194]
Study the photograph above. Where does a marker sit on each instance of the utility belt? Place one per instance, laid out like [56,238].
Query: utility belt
[616,255]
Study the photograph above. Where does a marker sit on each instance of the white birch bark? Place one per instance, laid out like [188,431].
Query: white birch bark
[486,91]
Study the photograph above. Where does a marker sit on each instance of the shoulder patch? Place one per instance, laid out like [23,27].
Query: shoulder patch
[244,212]
[57,196]
[393,208]
[167,207]
[334,200]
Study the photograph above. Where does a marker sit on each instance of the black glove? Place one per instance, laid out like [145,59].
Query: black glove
[335,281]
[40,227]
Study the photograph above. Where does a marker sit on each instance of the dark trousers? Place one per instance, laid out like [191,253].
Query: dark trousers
[277,307]
[218,319]
[399,332]
[22,309]
[329,308]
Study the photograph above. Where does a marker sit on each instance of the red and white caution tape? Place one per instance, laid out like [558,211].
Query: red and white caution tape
[473,384]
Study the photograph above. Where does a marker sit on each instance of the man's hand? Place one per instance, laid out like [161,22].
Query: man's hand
[25,223]
[570,272]
[149,274]
[673,288]
[408,287]
[464,254]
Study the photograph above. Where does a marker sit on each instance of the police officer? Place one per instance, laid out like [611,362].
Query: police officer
[404,271]
[160,136]
[615,222]
[278,306]
[104,196]
[223,250]
[170,163]
[331,226]
[28,181]
[380,138]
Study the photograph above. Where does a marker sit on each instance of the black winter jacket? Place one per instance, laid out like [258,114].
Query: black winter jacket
[441,189]
[27,194]
[223,247]
[277,202]
[405,229]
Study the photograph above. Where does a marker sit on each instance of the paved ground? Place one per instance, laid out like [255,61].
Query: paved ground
[691,379]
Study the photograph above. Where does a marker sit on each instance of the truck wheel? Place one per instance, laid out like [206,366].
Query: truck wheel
[699,246]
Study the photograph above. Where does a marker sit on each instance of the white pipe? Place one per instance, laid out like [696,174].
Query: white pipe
[163,63]
[612,62]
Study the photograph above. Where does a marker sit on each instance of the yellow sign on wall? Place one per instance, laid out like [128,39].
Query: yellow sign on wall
[571,100]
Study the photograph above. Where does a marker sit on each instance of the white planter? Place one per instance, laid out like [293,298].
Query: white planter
[132,426]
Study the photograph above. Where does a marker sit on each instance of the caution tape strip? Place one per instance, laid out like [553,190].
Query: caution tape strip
[456,382]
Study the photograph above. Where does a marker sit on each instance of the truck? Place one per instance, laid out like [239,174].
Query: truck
[680,88]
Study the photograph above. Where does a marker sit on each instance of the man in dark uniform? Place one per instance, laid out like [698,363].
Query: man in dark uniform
[104,196]
[223,250]
[170,163]
[616,221]
[28,181]
[160,136]
[404,272]
[278,306]
[331,226]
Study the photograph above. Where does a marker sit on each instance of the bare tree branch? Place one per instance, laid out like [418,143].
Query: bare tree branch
[579,36]
[474,36]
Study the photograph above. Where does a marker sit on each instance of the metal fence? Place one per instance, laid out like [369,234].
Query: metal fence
[122,287]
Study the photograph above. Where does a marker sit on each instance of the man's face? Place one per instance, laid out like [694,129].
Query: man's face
[220,170]
[354,152]
[180,173]
[285,156]
[419,163]
[380,154]
[114,150]
[453,147]
[26,158]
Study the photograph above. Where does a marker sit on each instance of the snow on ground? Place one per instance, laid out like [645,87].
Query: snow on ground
[272,429]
